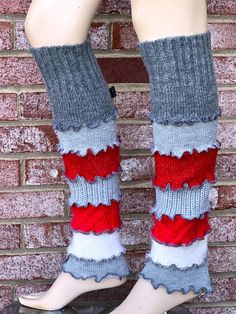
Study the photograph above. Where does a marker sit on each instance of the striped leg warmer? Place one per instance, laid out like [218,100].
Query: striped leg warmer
[84,119]
[184,117]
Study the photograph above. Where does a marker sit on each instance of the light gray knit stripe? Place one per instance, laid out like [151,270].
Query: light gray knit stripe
[194,278]
[103,191]
[77,90]
[189,203]
[83,269]
[182,79]
[97,139]
[175,140]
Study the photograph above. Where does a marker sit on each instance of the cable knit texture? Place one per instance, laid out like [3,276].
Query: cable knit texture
[189,203]
[92,166]
[182,78]
[75,85]
[95,140]
[103,191]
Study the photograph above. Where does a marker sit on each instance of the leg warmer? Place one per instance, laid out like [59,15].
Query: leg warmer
[84,119]
[184,117]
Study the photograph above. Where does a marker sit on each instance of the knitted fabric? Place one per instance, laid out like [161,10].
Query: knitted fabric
[182,79]
[75,85]
[102,191]
[179,231]
[98,219]
[92,166]
[95,140]
[190,170]
[195,278]
[189,203]
[175,140]
[95,247]
[180,256]
[84,269]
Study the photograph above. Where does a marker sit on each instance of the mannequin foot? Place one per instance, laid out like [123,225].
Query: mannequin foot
[64,290]
[144,299]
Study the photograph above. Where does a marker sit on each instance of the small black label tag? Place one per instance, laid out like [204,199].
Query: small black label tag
[112,91]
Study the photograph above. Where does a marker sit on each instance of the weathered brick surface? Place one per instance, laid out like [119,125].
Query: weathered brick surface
[34,217]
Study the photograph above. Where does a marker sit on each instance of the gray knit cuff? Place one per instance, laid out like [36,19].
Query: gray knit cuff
[182,79]
[76,87]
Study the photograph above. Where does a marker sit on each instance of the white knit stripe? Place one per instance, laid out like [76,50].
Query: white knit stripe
[96,247]
[95,139]
[175,140]
[181,256]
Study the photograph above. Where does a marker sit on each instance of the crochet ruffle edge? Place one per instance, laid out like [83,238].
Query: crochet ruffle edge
[93,261]
[185,244]
[172,217]
[178,155]
[77,126]
[97,233]
[70,203]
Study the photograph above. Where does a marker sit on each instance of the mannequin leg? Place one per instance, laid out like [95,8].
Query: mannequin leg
[84,122]
[175,46]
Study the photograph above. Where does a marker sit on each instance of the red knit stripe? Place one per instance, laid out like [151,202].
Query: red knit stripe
[192,169]
[98,219]
[179,231]
[90,166]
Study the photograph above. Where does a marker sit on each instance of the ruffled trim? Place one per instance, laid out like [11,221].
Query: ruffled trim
[200,149]
[182,244]
[84,152]
[185,185]
[182,290]
[77,126]
[174,267]
[172,217]
[108,203]
[91,260]
[179,121]
[109,231]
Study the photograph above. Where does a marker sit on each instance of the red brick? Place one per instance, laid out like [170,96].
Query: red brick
[5,35]
[45,235]
[124,36]
[30,267]
[21,42]
[226,166]
[136,231]
[223,229]
[98,32]
[133,104]
[9,173]
[8,106]
[14,6]
[136,168]
[114,6]
[227,134]
[32,204]
[19,71]
[27,139]
[224,7]
[222,259]
[227,197]
[227,100]
[5,296]
[35,106]
[135,136]
[225,69]
[223,35]
[137,201]
[10,237]
[44,171]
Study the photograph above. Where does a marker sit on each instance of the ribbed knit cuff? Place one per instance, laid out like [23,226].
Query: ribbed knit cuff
[75,85]
[182,79]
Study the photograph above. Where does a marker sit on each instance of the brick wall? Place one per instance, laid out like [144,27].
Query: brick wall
[34,222]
